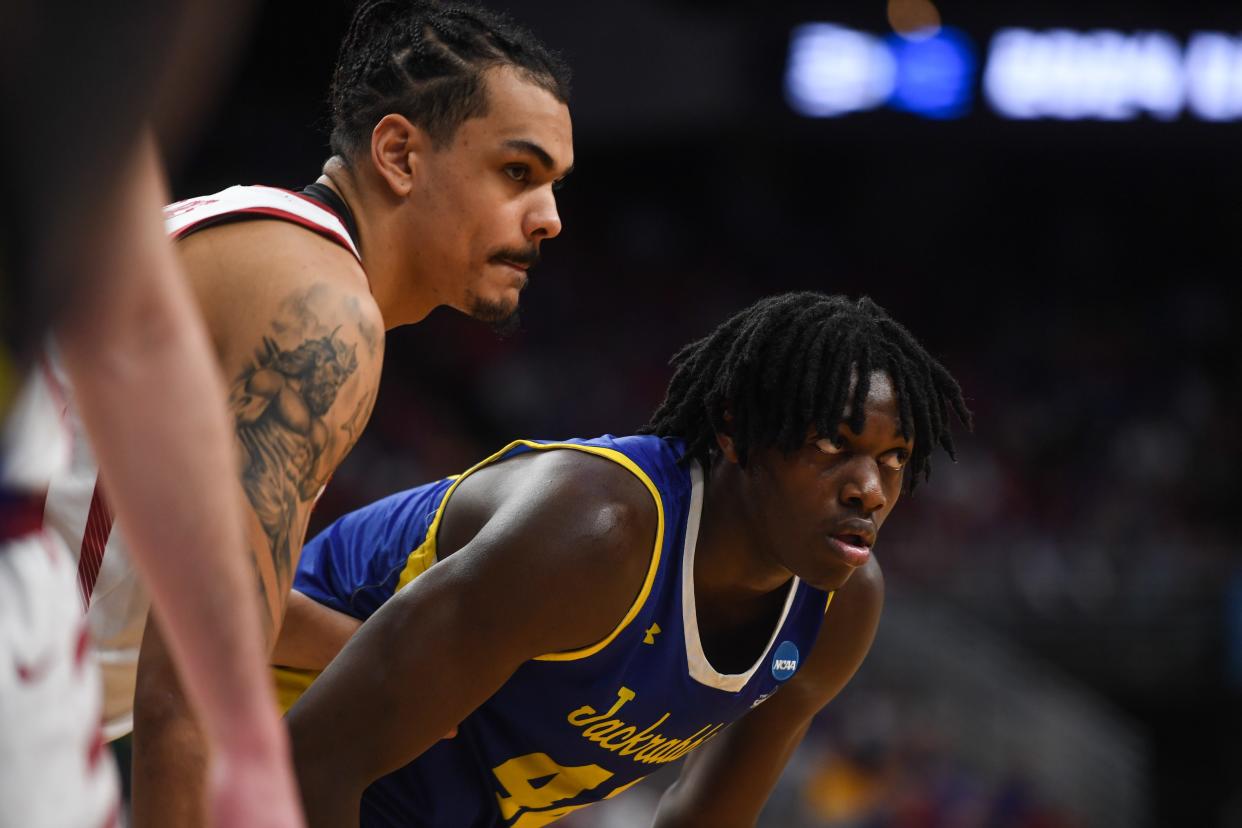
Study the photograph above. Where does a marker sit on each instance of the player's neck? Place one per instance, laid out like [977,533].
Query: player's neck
[731,561]
[393,287]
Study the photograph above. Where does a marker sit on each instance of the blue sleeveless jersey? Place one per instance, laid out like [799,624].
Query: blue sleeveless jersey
[567,729]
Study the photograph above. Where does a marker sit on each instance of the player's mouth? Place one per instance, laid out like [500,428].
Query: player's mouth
[852,542]
[519,267]
[519,261]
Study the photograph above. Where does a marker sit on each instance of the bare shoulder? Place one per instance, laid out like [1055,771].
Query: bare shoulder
[566,523]
[245,273]
[589,501]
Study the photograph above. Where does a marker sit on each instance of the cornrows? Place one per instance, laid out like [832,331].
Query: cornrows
[426,60]
[797,360]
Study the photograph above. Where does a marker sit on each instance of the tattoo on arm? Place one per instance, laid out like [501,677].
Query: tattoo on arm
[280,401]
[358,420]
[265,608]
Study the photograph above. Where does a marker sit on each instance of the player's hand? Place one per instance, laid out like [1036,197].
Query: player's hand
[254,790]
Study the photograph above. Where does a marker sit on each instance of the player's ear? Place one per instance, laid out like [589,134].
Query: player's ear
[396,147]
[724,438]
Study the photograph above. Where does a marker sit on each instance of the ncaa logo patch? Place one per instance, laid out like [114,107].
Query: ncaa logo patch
[785,661]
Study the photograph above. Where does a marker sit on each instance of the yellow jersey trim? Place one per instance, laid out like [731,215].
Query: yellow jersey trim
[417,562]
[425,555]
[828,603]
[291,683]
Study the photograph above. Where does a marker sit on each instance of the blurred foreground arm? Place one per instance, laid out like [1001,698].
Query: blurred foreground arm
[300,342]
[153,402]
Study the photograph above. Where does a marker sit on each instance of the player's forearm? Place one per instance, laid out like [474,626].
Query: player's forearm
[170,755]
[153,403]
[311,634]
[326,807]
[246,785]
[331,792]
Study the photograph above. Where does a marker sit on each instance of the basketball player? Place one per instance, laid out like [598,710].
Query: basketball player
[450,130]
[83,254]
[585,612]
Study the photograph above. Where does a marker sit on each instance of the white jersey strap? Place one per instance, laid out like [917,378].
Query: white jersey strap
[184,217]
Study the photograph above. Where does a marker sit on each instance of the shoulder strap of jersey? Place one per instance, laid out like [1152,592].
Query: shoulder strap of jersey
[185,217]
[422,557]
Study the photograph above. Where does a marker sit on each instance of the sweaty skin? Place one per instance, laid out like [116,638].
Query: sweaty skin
[580,528]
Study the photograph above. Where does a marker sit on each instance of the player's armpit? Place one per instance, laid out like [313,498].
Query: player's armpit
[725,783]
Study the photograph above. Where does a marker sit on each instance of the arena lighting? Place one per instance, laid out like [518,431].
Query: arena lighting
[1213,70]
[834,70]
[935,73]
[1104,75]
[1059,74]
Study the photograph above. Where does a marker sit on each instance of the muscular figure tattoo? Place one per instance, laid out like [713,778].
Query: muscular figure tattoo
[358,420]
[280,401]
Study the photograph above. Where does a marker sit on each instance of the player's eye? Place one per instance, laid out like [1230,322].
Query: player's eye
[830,445]
[896,460]
[517,172]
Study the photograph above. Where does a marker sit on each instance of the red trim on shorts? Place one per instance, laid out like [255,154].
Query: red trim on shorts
[114,816]
[32,673]
[94,541]
[94,752]
[83,646]
[275,212]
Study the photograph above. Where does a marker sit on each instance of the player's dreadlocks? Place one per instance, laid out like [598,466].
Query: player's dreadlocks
[425,60]
[788,362]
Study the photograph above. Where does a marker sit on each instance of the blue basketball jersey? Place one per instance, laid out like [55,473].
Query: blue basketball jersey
[568,729]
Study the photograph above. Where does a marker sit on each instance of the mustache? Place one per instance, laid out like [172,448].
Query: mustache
[528,256]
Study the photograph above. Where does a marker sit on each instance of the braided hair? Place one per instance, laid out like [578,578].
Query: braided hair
[797,360]
[426,60]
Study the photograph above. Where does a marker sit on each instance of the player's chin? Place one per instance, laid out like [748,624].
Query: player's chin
[829,577]
[497,298]
[494,308]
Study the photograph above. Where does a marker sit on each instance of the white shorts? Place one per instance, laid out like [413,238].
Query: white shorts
[55,771]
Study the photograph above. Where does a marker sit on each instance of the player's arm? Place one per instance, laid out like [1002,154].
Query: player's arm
[554,568]
[312,634]
[725,783]
[301,356]
[151,398]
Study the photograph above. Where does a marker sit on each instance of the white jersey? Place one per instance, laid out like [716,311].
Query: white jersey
[34,445]
[53,769]
[77,507]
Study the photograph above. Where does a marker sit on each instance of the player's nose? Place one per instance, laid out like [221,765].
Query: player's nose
[542,221]
[861,490]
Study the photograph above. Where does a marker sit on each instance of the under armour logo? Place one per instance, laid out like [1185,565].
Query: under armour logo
[652,632]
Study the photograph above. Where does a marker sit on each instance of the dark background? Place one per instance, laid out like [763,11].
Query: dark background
[1077,277]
